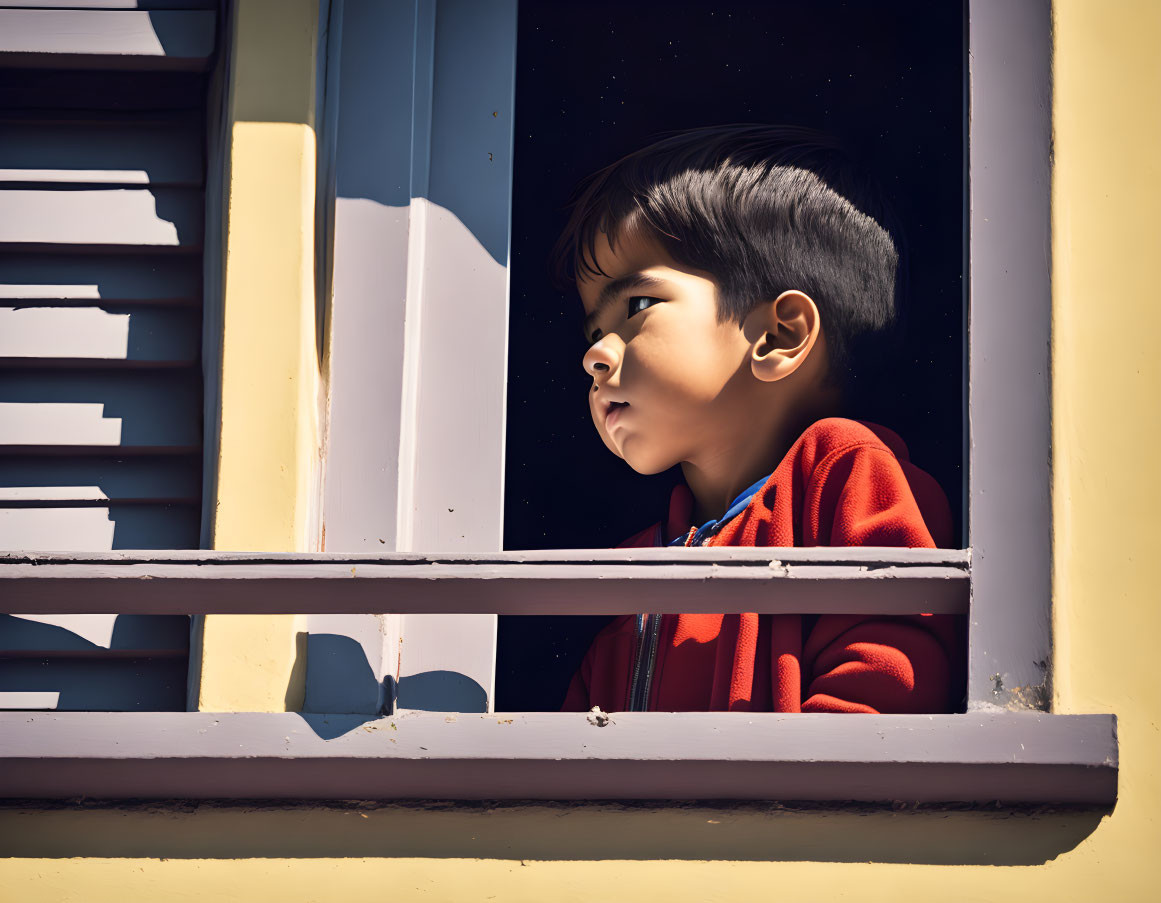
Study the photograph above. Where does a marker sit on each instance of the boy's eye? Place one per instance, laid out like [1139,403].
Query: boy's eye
[639,302]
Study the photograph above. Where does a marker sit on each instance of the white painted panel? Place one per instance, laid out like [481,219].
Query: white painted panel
[366,360]
[419,320]
[457,492]
[117,152]
[451,490]
[352,658]
[42,37]
[165,278]
[95,333]
[166,217]
[455,498]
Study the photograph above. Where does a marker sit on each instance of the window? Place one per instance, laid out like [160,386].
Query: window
[453,186]
[428,183]
[594,83]
[433,192]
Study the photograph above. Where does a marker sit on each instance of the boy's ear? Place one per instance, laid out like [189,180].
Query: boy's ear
[784,332]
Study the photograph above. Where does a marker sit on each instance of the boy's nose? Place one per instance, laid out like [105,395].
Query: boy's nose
[602,357]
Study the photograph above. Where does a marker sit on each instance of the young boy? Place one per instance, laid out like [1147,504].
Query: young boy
[735,281]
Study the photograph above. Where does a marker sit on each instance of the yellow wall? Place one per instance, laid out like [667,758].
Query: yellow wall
[1106,432]
[269,457]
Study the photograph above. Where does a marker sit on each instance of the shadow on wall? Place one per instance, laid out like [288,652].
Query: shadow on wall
[470,163]
[441,691]
[339,682]
[161,412]
[169,526]
[342,691]
[142,669]
[188,37]
[554,832]
[99,279]
[78,527]
[131,633]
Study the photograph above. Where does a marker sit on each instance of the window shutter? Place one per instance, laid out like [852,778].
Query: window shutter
[102,200]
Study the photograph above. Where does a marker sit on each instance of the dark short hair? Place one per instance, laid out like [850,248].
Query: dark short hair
[763,209]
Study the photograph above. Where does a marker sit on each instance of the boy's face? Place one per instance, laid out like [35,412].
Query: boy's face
[671,384]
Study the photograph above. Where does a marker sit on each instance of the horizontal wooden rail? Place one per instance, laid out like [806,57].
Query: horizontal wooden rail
[883,581]
[1013,758]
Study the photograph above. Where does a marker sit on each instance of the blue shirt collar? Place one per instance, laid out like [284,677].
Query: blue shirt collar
[737,506]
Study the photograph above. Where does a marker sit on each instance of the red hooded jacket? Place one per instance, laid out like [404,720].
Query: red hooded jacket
[842,483]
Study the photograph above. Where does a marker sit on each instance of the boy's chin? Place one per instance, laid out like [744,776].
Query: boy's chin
[641,455]
[647,465]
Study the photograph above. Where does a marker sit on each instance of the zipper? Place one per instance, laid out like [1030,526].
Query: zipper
[651,664]
[649,626]
[636,675]
[648,636]
[648,631]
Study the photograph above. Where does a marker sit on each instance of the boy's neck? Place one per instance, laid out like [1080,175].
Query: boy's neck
[714,491]
[716,480]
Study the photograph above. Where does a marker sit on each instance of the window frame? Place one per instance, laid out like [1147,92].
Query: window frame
[1007,380]
[578,756]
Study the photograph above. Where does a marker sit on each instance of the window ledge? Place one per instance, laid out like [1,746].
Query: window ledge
[976,757]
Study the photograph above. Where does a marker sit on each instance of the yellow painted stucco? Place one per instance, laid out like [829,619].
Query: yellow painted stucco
[1106,429]
[269,452]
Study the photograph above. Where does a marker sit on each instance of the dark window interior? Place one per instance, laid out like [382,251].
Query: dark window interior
[596,80]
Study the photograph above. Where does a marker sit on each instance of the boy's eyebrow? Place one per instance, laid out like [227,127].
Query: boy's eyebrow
[615,288]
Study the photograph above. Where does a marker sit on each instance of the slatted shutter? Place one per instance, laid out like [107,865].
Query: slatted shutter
[102,200]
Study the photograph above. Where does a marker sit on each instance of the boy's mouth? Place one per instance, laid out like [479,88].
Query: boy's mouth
[614,412]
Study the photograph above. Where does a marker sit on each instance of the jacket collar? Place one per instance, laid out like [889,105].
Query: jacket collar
[712,527]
